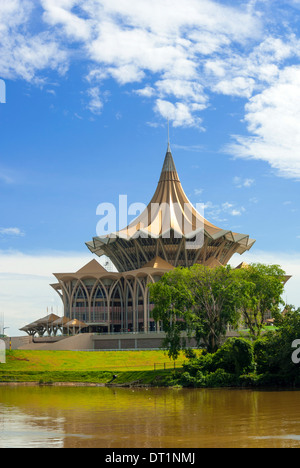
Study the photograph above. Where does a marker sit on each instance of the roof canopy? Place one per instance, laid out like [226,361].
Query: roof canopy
[51,324]
[169,215]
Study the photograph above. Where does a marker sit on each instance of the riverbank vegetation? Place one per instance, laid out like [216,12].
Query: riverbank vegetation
[240,362]
[203,302]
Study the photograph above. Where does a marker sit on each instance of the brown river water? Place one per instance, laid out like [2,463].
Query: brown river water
[83,417]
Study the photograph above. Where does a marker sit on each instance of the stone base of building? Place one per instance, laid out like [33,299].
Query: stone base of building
[135,341]
[94,342]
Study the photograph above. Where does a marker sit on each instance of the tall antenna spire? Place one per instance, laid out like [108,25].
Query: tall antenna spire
[169,148]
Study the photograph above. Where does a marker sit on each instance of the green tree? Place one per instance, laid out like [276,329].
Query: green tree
[273,352]
[261,287]
[173,302]
[216,296]
[199,300]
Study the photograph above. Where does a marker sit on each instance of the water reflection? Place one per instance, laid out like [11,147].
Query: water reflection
[154,418]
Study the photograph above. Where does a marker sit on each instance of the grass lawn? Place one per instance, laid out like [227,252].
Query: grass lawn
[89,367]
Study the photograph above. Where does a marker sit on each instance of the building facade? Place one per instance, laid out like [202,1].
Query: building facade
[110,302]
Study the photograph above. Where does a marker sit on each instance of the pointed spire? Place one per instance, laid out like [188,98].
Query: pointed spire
[169,165]
[169,148]
[169,171]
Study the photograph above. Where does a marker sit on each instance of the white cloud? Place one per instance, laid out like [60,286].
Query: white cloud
[184,51]
[198,191]
[127,74]
[248,182]
[169,17]
[59,13]
[273,119]
[216,212]
[22,53]
[95,103]
[239,182]
[232,210]
[134,39]
[238,86]
[147,92]
[179,113]
[180,89]
[12,231]
[236,212]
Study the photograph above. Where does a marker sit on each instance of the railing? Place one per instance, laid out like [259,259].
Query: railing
[153,332]
[167,365]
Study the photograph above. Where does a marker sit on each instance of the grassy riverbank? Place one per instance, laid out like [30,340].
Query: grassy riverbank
[130,367]
[239,362]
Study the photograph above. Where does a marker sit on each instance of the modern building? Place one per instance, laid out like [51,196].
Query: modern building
[169,233]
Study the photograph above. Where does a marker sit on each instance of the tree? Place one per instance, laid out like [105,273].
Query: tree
[273,351]
[173,301]
[199,300]
[261,287]
[216,296]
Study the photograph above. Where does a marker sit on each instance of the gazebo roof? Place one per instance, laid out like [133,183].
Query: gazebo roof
[75,324]
[61,321]
[47,320]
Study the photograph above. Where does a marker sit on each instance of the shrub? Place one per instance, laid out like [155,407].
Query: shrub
[200,379]
[187,380]
[203,363]
[250,380]
[221,378]
[235,356]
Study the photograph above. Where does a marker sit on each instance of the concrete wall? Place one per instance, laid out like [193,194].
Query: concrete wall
[17,342]
[130,341]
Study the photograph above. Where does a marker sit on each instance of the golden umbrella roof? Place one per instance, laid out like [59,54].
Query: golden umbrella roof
[170,209]
[75,324]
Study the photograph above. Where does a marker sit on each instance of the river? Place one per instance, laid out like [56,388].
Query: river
[97,417]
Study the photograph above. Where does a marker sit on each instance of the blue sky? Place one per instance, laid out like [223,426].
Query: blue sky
[89,87]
